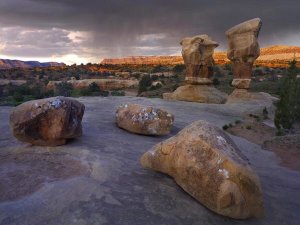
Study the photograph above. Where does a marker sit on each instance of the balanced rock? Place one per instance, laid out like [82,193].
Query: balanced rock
[243,50]
[197,53]
[47,122]
[197,93]
[205,162]
[144,119]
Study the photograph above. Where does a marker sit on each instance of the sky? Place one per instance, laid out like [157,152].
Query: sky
[82,31]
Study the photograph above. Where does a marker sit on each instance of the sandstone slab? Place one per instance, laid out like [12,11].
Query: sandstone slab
[48,122]
[197,93]
[206,163]
[144,119]
[243,95]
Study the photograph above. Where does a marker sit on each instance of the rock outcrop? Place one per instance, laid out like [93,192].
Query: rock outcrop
[197,93]
[243,50]
[104,84]
[47,122]
[9,64]
[144,119]
[205,162]
[272,56]
[197,54]
[243,95]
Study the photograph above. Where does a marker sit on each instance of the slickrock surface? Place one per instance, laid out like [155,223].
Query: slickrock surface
[102,182]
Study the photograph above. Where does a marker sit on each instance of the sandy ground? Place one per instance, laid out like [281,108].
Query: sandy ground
[287,147]
[97,179]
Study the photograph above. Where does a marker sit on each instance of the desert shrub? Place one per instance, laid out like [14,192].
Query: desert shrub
[63,89]
[179,68]
[248,127]
[118,93]
[18,97]
[93,87]
[216,81]
[144,83]
[265,113]
[288,107]
[228,67]
[225,127]
[237,122]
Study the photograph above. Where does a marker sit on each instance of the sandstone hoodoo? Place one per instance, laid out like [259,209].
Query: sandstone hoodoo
[144,120]
[243,50]
[197,53]
[205,162]
[47,122]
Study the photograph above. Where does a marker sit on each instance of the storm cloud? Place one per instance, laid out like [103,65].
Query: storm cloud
[93,29]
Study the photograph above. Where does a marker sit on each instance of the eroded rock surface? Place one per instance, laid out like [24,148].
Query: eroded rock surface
[205,162]
[144,119]
[48,122]
[197,53]
[197,93]
[243,49]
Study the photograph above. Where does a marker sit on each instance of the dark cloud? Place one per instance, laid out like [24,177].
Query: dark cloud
[126,27]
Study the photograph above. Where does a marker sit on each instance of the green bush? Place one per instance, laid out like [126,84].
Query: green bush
[144,83]
[216,81]
[63,89]
[225,127]
[118,93]
[288,107]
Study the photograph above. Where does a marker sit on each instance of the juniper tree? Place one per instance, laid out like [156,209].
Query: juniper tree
[288,107]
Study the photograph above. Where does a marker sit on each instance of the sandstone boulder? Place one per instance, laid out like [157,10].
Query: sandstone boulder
[144,119]
[243,48]
[47,122]
[197,53]
[205,162]
[197,93]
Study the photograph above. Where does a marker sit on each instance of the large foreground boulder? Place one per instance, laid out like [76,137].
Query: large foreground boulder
[144,119]
[197,93]
[205,162]
[47,122]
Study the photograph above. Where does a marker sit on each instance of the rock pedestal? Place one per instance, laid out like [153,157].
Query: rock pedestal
[47,122]
[243,50]
[197,53]
[206,163]
[197,93]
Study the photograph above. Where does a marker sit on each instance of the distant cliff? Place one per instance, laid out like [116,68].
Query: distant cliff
[273,56]
[8,64]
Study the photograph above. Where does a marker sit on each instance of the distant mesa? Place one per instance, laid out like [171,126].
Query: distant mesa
[9,64]
[273,56]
